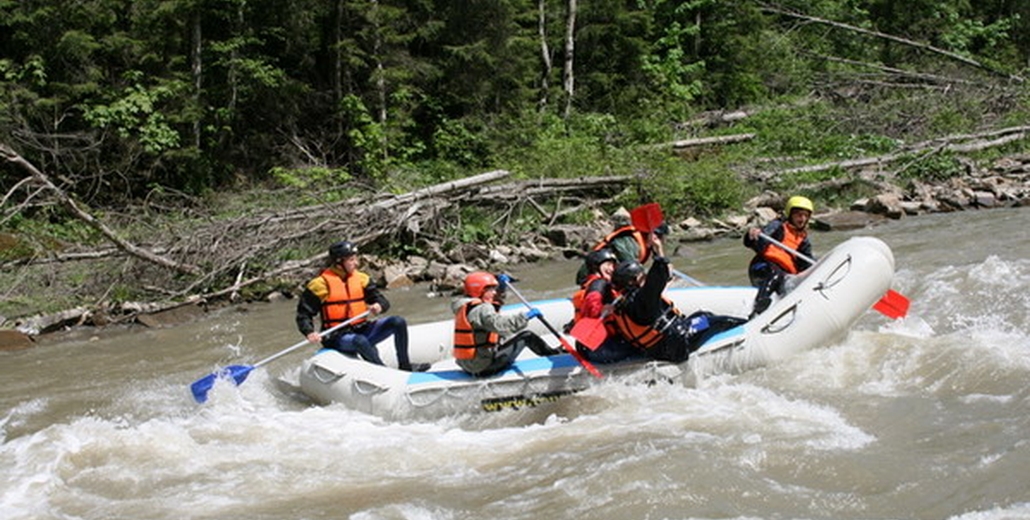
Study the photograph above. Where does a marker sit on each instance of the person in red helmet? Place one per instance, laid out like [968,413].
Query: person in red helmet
[486,341]
[342,292]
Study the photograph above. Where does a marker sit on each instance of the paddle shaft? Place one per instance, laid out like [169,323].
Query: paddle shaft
[322,334]
[687,277]
[568,347]
[238,373]
[788,249]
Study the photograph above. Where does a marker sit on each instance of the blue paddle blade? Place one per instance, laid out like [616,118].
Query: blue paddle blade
[200,387]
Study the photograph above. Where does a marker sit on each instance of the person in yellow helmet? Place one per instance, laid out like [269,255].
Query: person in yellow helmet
[772,263]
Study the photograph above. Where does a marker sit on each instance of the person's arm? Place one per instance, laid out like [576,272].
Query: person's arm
[308,306]
[759,244]
[648,300]
[593,302]
[374,296]
[485,317]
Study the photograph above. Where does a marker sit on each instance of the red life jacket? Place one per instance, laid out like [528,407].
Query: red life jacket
[466,338]
[346,298]
[580,296]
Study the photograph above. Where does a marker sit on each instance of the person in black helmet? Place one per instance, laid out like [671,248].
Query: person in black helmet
[594,299]
[342,292]
[653,324]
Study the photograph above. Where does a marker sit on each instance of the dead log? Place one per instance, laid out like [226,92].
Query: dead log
[706,141]
[1000,137]
[84,216]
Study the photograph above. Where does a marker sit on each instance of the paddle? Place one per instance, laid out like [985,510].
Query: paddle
[647,218]
[564,342]
[894,305]
[239,373]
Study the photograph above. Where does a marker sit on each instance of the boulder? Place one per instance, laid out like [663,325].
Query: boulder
[14,340]
[396,276]
[886,204]
[846,220]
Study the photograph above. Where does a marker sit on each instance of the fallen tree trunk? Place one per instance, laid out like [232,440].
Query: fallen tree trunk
[84,216]
[1000,137]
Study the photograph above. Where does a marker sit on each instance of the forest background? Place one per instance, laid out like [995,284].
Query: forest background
[170,149]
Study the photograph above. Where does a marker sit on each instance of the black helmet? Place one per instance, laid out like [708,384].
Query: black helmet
[342,249]
[626,274]
[596,258]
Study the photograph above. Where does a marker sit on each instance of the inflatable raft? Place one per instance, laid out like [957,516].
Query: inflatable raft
[819,309]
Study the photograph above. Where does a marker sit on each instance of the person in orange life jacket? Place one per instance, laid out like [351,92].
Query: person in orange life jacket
[594,300]
[625,240]
[652,323]
[485,341]
[341,292]
[771,263]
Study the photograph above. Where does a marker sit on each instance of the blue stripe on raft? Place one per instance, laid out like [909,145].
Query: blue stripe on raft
[520,366]
[728,333]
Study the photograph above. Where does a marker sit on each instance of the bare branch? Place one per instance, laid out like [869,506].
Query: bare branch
[82,215]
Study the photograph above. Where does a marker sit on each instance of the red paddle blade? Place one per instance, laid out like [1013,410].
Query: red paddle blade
[894,305]
[647,217]
[590,332]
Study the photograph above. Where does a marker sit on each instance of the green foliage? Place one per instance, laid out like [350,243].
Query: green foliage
[933,168]
[810,133]
[201,95]
[320,184]
[669,64]
[135,112]
[367,138]
[702,188]
[476,227]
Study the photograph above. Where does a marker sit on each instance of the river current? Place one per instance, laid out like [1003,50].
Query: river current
[923,418]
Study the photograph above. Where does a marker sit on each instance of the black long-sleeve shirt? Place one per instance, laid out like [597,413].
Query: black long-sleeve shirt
[645,304]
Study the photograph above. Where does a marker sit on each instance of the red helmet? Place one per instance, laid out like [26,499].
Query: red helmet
[477,282]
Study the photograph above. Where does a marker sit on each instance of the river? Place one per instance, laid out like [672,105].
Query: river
[925,418]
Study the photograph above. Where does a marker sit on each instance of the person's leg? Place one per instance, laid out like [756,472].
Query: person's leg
[397,327]
[505,354]
[611,350]
[535,344]
[357,344]
[769,283]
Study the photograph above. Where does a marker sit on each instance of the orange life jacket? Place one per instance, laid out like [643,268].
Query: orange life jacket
[346,298]
[466,338]
[792,238]
[643,336]
[642,250]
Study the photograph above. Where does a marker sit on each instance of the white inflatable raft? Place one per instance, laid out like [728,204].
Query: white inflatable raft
[823,305]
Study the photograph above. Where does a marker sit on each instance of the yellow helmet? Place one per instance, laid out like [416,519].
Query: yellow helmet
[798,202]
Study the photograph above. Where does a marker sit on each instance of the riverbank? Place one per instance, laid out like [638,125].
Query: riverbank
[1003,183]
